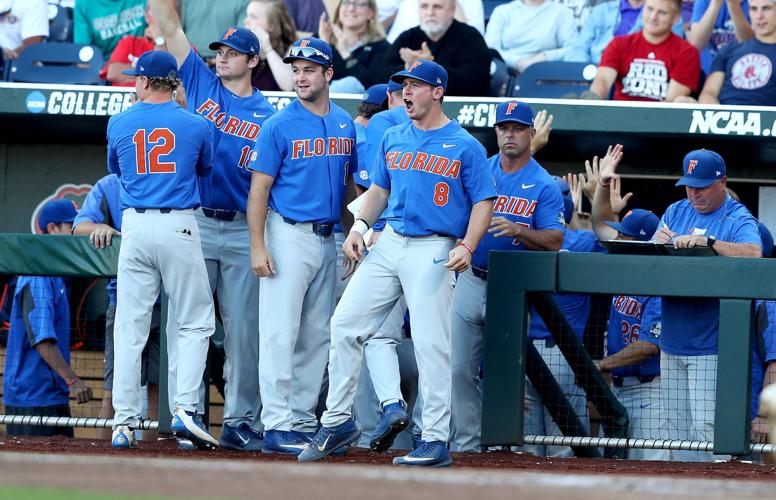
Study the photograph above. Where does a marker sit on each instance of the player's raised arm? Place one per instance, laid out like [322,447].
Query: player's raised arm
[177,43]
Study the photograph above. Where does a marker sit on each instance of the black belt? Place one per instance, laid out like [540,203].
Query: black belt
[322,230]
[219,214]
[618,381]
[161,210]
[480,273]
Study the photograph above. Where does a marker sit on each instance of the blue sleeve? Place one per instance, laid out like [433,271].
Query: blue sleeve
[90,211]
[720,62]
[651,320]
[353,165]
[666,220]
[362,176]
[745,231]
[549,210]
[192,72]
[269,157]
[205,160]
[113,157]
[476,176]
[698,9]
[769,335]
[374,135]
[39,318]
[379,173]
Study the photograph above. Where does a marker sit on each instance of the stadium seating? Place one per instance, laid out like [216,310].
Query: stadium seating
[489,5]
[553,79]
[67,63]
[60,23]
[500,78]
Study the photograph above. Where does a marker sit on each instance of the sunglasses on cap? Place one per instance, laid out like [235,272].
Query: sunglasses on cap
[307,52]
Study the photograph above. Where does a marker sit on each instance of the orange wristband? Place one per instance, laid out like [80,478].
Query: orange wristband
[70,383]
[463,244]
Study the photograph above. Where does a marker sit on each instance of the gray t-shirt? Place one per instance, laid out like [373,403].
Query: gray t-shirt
[203,23]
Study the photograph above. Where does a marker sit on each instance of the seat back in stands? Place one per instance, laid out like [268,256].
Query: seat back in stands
[553,79]
[489,5]
[60,23]
[57,63]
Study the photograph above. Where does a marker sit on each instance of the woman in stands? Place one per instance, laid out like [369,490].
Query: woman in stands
[359,44]
[276,31]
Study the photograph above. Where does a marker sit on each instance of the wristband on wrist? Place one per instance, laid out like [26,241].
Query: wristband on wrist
[467,247]
[72,382]
[360,226]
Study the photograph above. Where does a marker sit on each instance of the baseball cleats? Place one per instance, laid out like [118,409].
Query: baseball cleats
[330,439]
[185,444]
[187,425]
[395,419]
[123,437]
[285,442]
[429,454]
[241,438]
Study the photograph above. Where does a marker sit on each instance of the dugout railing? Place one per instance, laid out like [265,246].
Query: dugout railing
[518,279]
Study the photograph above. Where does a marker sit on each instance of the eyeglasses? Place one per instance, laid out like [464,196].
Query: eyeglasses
[360,4]
[307,52]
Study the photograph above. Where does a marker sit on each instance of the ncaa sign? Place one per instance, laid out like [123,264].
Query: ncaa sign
[36,102]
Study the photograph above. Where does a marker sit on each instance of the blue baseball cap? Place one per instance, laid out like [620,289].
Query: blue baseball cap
[240,39]
[425,71]
[310,49]
[56,212]
[376,94]
[568,209]
[514,111]
[154,64]
[767,239]
[393,86]
[565,190]
[702,168]
[637,223]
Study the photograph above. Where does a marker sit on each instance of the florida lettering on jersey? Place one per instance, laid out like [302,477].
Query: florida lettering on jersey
[514,205]
[627,306]
[321,146]
[228,124]
[424,162]
[633,318]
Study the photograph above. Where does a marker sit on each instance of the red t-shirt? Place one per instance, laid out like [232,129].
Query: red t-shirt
[645,69]
[127,51]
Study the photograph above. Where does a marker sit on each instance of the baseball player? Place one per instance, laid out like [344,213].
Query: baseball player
[527,215]
[157,149]
[235,111]
[306,156]
[430,186]
[690,327]
[37,374]
[99,218]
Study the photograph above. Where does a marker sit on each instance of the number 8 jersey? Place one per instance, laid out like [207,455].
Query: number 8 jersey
[158,150]
[435,176]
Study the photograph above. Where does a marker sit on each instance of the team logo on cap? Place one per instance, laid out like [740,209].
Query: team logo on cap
[229,32]
[304,43]
[415,65]
[510,106]
[628,214]
[691,166]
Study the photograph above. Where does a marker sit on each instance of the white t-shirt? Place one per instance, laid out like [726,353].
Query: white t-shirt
[387,8]
[409,17]
[27,18]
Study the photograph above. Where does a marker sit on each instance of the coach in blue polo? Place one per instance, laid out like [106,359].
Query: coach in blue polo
[690,330]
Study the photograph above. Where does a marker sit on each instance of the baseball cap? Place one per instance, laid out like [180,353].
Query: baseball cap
[56,212]
[425,71]
[393,86]
[376,94]
[514,111]
[154,64]
[240,39]
[565,190]
[310,49]
[767,239]
[637,223]
[701,168]
[568,209]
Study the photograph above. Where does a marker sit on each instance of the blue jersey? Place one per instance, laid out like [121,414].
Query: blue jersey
[529,197]
[691,326]
[575,306]
[722,34]
[311,158]
[633,318]
[434,177]
[158,150]
[235,123]
[361,176]
[101,206]
[378,125]
[40,312]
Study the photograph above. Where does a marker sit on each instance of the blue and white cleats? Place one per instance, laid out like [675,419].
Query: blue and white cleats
[123,437]
[284,442]
[394,420]
[241,438]
[428,454]
[187,425]
[330,439]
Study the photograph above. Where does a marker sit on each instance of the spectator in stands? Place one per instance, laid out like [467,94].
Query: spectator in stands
[37,378]
[607,20]
[632,344]
[716,24]
[100,219]
[359,43]
[742,72]
[103,23]
[580,9]
[525,32]
[203,20]
[306,15]
[458,47]
[469,12]
[129,49]
[22,23]
[651,65]
[270,22]
[690,330]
